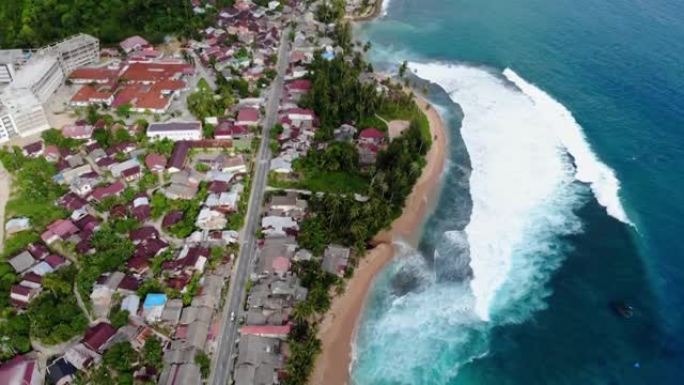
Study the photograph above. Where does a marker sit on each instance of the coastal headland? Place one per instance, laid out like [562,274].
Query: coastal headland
[337,330]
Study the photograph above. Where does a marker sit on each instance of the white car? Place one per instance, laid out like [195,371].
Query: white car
[232,316]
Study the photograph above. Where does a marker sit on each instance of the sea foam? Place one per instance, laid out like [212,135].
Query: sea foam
[590,169]
[522,183]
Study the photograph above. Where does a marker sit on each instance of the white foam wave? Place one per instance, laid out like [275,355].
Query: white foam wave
[521,183]
[384,8]
[437,321]
[601,178]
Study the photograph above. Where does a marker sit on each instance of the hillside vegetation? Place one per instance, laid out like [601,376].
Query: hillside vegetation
[34,23]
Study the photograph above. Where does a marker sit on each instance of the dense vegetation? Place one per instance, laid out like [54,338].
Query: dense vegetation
[337,95]
[34,23]
[203,103]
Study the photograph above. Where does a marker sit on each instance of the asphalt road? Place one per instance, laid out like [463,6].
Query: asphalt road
[226,348]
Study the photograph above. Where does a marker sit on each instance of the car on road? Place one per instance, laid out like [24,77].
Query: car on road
[232,316]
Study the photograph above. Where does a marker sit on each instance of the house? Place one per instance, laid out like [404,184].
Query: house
[209,219]
[31,280]
[119,168]
[38,250]
[51,153]
[93,95]
[143,234]
[280,265]
[113,189]
[131,303]
[335,259]
[172,311]
[368,153]
[267,331]
[259,360]
[175,131]
[301,117]
[272,250]
[16,225]
[299,86]
[372,136]
[171,218]
[344,133]
[34,149]
[103,290]
[81,357]
[97,336]
[229,130]
[247,116]
[281,165]
[55,261]
[154,306]
[185,373]
[22,262]
[178,156]
[277,226]
[77,131]
[61,372]
[92,75]
[131,174]
[20,370]
[189,259]
[184,185]
[59,229]
[288,203]
[133,43]
[155,162]
[21,295]
[141,208]
[235,164]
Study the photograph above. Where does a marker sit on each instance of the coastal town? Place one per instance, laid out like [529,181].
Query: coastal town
[185,211]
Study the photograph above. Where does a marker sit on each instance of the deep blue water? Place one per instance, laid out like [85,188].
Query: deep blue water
[618,67]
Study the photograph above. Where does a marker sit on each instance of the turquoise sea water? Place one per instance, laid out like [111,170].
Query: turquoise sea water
[564,192]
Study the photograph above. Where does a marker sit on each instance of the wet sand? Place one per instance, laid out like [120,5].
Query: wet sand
[338,328]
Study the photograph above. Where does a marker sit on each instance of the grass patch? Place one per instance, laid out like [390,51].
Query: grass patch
[332,182]
[391,112]
[374,122]
[18,242]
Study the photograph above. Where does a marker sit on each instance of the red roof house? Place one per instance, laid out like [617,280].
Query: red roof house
[372,135]
[20,370]
[59,229]
[103,192]
[298,86]
[155,162]
[247,116]
[98,335]
[270,331]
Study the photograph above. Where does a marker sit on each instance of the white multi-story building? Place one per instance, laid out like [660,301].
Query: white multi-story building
[33,77]
[21,114]
[10,59]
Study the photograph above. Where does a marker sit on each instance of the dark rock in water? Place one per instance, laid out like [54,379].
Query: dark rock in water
[404,282]
[622,309]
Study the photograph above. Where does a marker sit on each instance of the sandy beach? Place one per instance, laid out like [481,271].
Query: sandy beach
[338,327]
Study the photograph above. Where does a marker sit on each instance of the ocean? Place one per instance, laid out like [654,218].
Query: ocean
[563,194]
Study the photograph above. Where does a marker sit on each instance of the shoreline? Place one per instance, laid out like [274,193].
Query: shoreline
[375,11]
[338,328]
